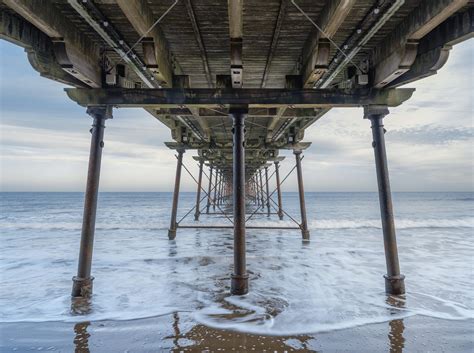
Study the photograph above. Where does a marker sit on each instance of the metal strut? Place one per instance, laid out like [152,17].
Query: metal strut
[82,283]
[198,192]
[174,209]
[277,176]
[209,191]
[394,280]
[239,280]
[299,172]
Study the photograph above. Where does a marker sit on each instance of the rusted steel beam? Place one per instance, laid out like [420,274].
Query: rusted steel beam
[199,41]
[230,227]
[304,221]
[389,58]
[82,283]
[239,281]
[316,50]
[140,97]
[75,52]
[274,43]
[235,9]
[174,209]
[142,19]
[38,46]
[394,281]
[434,48]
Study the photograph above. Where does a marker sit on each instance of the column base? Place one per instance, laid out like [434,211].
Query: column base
[305,234]
[239,284]
[280,215]
[196,216]
[171,234]
[81,287]
[394,284]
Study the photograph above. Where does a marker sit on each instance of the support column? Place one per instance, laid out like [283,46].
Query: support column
[304,221]
[257,191]
[262,195]
[239,282]
[82,283]
[198,193]
[394,281]
[174,209]
[268,192]
[219,192]
[209,190]
[216,186]
[277,175]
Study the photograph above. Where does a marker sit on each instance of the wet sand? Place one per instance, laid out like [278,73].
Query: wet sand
[179,333]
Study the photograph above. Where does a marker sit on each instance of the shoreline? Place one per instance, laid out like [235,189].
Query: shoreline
[178,332]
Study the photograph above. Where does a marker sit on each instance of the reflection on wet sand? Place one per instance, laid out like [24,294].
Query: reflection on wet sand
[201,338]
[81,340]
[397,327]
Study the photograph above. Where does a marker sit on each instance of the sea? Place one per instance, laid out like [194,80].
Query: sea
[333,282]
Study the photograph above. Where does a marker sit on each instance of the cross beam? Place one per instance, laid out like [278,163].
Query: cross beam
[138,97]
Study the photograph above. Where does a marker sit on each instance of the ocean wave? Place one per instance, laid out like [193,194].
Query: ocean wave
[402,223]
[399,223]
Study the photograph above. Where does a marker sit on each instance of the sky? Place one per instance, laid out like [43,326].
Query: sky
[45,139]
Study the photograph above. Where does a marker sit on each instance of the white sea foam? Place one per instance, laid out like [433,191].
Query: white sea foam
[334,282]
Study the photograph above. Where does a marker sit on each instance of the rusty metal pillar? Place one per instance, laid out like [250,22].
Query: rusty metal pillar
[174,209]
[257,191]
[209,190]
[82,283]
[239,282]
[277,176]
[216,186]
[262,195]
[198,193]
[304,221]
[219,193]
[268,191]
[394,281]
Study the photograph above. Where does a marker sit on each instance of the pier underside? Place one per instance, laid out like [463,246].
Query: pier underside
[235,82]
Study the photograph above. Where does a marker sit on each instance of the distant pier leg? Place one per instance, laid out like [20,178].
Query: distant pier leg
[299,172]
[239,282]
[277,176]
[219,192]
[209,190]
[216,186]
[394,281]
[262,195]
[198,193]
[267,187]
[257,191]
[82,283]
[174,209]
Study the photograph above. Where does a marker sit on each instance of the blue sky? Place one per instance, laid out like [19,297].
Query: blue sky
[45,138]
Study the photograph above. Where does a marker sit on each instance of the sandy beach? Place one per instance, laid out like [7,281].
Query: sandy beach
[177,333]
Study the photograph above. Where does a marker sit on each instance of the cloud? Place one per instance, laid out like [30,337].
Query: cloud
[431,134]
[45,139]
